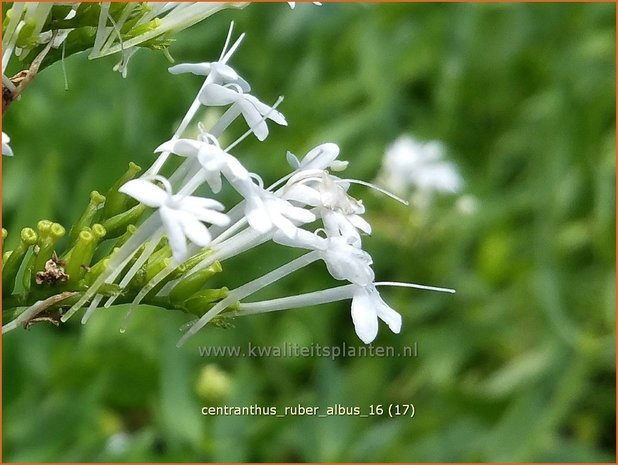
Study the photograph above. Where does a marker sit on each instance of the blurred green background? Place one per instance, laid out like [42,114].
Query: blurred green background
[519,365]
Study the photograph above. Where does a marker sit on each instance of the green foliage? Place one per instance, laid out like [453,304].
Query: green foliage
[519,365]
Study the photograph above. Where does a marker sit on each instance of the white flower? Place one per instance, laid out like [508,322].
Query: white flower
[213,159]
[220,73]
[319,158]
[6,150]
[181,215]
[367,307]
[409,164]
[254,111]
[339,211]
[265,211]
[347,226]
[343,259]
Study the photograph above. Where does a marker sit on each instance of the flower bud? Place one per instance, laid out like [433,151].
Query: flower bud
[82,253]
[203,301]
[188,286]
[13,262]
[118,202]
[96,201]
[118,224]
[49,234]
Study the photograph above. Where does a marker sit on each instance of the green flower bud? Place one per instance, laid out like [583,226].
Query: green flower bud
[153,268]
[126,236]
[139,280]
[49,233]
[118,202]
[95,271]
[13,262]
[117,225]
[203,301]
[188,286]
[162,251]
[197,258]
[96,201]
[82,253]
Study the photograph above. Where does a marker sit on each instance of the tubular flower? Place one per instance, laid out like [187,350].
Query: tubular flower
[253,111]
[213,159]
[182,216]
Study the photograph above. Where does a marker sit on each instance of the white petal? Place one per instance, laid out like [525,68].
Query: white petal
[233,169]
[347,262]
[295,213]
[364,316]
[201,69]
[205,214]
[225,71]
[195,231]
[244,85]
[356,273]
[320,157]
[266,110]
[225,74]
[331,220]
[193,203]
[359,223]
[284,225]
[257,216]
[213,217]
[303,239]
[213,178]
[182,147]
[144,192]
[214,94]
[303,194]
[292,160]
[254,120]
[387,314]
[175,234]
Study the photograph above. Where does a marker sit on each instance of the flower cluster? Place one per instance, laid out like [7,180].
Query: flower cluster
[310,209]
[419,170]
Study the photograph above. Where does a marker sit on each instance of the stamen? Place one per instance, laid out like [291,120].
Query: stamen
[374,187]
[246,134]
[227,40]
[415,286]
[233,49]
